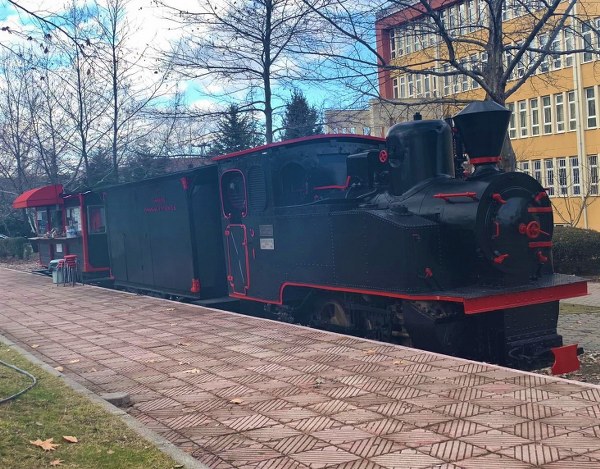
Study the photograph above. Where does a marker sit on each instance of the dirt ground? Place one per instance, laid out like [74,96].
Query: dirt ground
[578,319]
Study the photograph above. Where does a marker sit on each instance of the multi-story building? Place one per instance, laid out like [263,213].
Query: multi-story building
[555,125]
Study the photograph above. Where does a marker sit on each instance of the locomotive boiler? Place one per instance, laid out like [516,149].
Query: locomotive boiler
[381,240]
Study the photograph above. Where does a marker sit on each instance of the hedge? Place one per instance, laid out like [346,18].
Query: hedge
[576,251]
[14,247]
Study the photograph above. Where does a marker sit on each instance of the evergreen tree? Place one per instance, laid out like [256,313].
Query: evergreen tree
[300,118]
[236,131]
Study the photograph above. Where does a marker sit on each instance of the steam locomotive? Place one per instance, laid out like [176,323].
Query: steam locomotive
[360,235]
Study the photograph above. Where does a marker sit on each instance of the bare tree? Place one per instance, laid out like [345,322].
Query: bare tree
[472,43]
[243,46]
[15,122]
[132,87]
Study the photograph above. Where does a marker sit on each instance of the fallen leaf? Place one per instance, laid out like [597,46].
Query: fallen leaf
[94,370]
[46,445]
[170,309]
[39,424]
[110,451]
[194,371]
[76,360]
[70,439]
[58,368]
[184,363]
[56,462]
[398,362]
[35,346]
[184,344]
[237,400]
[370,352]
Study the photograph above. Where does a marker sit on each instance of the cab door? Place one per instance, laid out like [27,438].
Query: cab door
[234,200]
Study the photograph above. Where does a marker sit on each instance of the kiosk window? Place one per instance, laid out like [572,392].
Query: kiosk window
[96,220]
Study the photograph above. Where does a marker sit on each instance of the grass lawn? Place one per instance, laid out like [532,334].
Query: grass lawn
[571,308]
[53,410]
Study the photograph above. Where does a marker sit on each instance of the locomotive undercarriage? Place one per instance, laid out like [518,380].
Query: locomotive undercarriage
[517,337]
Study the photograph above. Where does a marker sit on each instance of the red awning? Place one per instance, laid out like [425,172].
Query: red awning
[39,197]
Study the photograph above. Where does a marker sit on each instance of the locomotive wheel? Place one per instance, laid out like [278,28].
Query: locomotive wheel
[331,312]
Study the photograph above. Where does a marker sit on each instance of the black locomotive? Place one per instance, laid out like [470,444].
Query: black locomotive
[361,235]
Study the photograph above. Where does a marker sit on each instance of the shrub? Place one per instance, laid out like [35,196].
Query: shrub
[576,251]
[14,247]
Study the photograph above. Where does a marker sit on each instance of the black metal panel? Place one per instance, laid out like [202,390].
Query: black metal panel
[153,228]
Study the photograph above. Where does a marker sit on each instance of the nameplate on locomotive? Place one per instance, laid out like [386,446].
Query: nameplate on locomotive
[267,243]
[265,230]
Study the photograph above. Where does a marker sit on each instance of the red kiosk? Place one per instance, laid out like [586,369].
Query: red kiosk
[67,225]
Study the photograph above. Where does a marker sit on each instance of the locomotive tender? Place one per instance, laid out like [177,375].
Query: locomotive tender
[361,235]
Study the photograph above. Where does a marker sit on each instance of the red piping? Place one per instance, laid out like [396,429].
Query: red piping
[472,195]
[484,160]
[539,209]
[341,188]
[540,244]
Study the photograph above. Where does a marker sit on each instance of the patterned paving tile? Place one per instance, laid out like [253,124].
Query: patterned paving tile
[324,457]
[406,458]
[283,396]
[536,454]
[416,437]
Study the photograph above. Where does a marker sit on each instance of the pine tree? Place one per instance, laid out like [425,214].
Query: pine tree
[236,131]
[300,118]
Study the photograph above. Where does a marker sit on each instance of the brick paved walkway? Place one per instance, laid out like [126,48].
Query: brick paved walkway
[242,392]
[582,328]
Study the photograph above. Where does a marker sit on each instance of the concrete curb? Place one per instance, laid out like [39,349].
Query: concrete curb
[179,456]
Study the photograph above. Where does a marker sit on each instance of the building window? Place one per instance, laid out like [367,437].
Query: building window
[419,85]
[559,112]
[549,164]
[403,86]
[575,176]
[537,170]
[586,35]
[392,43]
[411,86]
[395,88]
[569,45]
[562,175]
[572,110]
[512,126]
[400,45]
[446,80]
[409,42]
[427,85]
[590,100]
[556,57]
[593,163]
[545,64]
[525,167]
[547,114]
[535,116]
[366,130]
[523,118]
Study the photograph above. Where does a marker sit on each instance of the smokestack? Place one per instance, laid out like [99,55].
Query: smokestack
[482,126]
